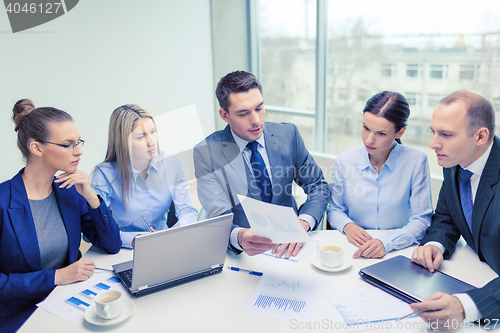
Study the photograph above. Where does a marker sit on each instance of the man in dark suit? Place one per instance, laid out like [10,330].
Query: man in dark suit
[258,160]
[469,205]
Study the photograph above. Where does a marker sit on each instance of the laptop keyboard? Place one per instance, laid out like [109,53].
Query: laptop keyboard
[126,277]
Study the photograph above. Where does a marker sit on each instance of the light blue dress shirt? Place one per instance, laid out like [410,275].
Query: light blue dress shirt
[398,198]
[150,197]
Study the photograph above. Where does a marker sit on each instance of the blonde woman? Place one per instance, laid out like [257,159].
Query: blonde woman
[136,179]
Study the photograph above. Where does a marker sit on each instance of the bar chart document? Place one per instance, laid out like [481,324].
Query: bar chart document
[284,295]
[71,304]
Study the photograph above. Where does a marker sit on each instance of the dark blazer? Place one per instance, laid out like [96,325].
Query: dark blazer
[448,224]
[23,283]
[222,173]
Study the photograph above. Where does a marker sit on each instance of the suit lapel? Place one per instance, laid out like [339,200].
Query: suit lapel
[22,223]
[485,193]
[235,166]
[273,148]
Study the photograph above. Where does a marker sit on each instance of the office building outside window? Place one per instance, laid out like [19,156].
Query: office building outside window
[413,100]
[362,95]
[367,49]
[438,72]
[469,72]
[388,71]
[433,100]
[414,71]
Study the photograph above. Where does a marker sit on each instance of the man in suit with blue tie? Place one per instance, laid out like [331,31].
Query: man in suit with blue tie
[463,127]
[258,160]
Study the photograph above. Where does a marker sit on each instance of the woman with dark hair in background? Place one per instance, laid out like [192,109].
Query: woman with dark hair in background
[42,217]
[383,185]
[137,179]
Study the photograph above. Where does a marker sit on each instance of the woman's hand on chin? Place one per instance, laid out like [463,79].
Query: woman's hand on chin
[80,180]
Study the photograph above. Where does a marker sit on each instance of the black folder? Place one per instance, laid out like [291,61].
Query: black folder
[410,282]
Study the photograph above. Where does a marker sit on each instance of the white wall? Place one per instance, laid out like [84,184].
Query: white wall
[100,55]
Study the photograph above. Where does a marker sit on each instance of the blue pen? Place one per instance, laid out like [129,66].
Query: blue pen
[245,270]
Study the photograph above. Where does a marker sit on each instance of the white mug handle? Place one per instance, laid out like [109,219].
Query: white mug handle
[105,309]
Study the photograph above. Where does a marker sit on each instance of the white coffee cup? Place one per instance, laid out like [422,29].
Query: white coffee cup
[109,304]
[330,255]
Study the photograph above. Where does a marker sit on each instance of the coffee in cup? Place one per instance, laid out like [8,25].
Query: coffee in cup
[109,304]
[330,255]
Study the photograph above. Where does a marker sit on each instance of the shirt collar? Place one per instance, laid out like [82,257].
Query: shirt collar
[154,164]
[242,144]
[478,165]
[364,160]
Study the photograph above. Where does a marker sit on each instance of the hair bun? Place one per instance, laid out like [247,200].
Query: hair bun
[22,108]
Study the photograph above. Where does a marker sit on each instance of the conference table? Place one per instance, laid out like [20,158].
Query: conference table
[215,303]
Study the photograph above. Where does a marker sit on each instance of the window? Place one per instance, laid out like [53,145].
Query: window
[496,104]
[345,70]
[363,71]
[433,100]
[438,72]
[388,71]
[287,46]
[413,100]
[494,73]
[362,95]
[365,48]
[343,94]
[414,71]
[469,72]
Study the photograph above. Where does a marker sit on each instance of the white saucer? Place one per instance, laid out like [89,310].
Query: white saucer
[343,266]
[92,317]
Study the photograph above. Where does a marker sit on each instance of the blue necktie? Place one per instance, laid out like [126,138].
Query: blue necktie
[260,172]
[466,196]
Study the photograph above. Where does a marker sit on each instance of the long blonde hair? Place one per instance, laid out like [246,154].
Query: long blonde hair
[121,122]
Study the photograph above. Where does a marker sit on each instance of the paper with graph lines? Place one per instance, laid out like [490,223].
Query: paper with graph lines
[284,295]
[278,223]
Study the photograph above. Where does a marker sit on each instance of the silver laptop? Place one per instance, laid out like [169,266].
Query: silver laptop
[173,256]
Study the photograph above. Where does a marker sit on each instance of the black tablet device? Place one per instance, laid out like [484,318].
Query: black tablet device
[411,282]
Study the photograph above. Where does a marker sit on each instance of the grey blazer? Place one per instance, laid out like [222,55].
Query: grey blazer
[222,173]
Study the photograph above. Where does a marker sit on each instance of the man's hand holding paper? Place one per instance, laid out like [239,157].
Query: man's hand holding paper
[272,227]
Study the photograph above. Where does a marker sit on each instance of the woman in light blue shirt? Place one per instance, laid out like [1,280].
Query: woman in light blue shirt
[382,185]
[136,179]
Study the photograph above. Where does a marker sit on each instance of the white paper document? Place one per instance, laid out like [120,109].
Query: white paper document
[71,304]
[367,309]
[270,257]
[284,295]
[278,223]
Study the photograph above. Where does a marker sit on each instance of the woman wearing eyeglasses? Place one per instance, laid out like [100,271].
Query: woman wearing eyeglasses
[137,179]
[42,216]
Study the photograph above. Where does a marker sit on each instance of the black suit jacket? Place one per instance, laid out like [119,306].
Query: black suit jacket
[448,224]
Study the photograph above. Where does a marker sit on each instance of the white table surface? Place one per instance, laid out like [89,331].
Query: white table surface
[215,303]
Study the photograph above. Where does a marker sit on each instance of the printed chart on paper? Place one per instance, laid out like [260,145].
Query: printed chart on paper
[285,295]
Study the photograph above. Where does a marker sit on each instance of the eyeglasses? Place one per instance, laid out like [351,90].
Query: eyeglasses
[71,145]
